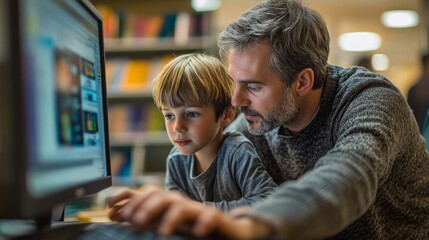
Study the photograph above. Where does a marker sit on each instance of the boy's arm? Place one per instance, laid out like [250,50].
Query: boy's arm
[175,176]
[250,176]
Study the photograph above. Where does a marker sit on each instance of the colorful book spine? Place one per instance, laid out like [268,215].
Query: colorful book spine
[133,76]
[120,23]
[134,118]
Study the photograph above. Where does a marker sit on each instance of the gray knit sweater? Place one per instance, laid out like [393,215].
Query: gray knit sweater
[359,170]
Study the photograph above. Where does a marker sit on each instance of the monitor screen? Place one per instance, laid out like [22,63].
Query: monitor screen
[55,138]
[64,97]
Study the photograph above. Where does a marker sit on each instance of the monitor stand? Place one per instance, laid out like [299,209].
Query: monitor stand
[48,227]
[29,230]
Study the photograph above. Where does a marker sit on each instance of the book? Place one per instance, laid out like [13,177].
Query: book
[120,162]
[117,118]
[120,23]
[168,25]
[110,21]
[134,118]
[182,28]
[115,73]
[155,120]
[135,76]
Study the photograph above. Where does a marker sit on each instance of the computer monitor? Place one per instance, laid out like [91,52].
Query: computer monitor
[53,116]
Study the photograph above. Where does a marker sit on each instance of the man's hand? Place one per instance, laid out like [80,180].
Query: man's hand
[151,204]
[173,212]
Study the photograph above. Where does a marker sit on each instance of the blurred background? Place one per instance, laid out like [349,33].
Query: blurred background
[142,35]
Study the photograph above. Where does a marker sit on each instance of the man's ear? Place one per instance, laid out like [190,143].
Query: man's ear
[228,115]
[304,82]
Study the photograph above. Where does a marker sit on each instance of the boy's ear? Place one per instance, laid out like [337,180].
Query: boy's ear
[228,115]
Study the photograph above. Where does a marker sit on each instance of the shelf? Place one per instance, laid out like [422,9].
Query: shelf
[169,44]
[140,38]
[116,96]
[139,139]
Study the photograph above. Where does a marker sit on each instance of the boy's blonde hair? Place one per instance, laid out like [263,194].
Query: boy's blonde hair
[194,79]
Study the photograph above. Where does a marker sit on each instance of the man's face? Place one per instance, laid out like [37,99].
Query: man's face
[259,93]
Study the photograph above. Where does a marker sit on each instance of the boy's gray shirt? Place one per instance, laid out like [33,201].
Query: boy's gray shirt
[235,178]
[359,170]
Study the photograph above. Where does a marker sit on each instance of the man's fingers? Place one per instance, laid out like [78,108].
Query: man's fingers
[237,212]
[213,221]
[179,215]
[147,205]
[125,194]
[129,210]
[207,222]
[114,214]
[149,208]
[171,210]
[129,193]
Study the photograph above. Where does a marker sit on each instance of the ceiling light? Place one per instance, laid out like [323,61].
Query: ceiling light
[380,62]
[359,41]
[400,18]
[205,5]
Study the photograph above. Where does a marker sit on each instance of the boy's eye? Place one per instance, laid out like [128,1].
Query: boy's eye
[168,116]
[192,114]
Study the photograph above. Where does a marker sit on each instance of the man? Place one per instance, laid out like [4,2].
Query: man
[418,97]
[342,141]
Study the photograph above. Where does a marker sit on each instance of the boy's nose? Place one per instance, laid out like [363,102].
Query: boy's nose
[179,127]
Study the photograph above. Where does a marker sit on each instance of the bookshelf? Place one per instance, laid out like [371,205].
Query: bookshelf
[140,38]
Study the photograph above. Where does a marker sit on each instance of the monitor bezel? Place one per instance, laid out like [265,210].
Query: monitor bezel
[21,203]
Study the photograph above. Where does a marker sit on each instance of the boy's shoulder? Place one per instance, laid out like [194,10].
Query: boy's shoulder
[235,140]
[234,137]
[176,154]
[178,160]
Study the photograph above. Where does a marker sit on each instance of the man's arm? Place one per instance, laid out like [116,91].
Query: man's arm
[345,182]
[174,213]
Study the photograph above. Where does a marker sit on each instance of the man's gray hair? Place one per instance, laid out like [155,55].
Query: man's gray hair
[298,37]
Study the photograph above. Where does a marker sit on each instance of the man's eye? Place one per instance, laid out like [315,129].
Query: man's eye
[192,114]
[253,88]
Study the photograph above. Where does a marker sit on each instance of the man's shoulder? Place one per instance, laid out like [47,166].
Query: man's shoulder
[356,78]
[354,75]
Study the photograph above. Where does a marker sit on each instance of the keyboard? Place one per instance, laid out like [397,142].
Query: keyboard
[23,230]
[117,231]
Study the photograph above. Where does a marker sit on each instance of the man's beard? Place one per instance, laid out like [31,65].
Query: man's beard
[283,113]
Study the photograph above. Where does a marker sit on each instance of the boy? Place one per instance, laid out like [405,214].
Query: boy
[219,169]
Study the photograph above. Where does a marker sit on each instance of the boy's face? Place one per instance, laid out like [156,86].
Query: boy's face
[194,130]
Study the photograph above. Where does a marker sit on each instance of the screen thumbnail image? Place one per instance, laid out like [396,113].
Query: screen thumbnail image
[91,129]
[91,122]
[88,68]
[68,98]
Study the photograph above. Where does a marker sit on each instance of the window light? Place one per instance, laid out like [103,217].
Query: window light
[359,41]
[400,18]
[205,5]
[380,62]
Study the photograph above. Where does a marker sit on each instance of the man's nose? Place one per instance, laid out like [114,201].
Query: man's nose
[239,98]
